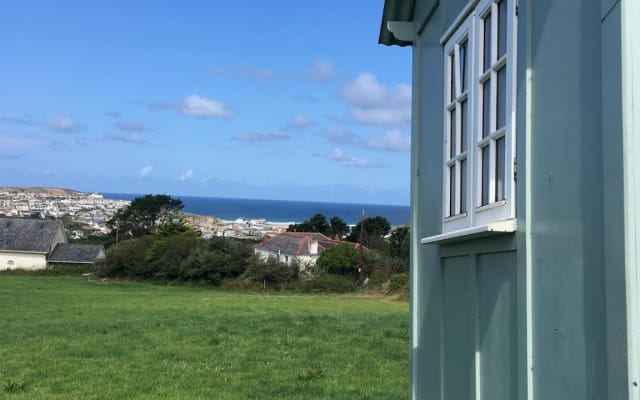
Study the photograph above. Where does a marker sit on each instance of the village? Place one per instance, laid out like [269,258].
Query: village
[91,211]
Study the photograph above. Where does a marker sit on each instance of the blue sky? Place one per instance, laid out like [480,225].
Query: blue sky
[256,99]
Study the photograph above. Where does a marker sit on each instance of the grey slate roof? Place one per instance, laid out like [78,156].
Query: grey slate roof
[76,253]
[295,243]
[27,234]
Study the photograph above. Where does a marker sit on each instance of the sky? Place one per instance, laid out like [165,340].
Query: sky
[257,99]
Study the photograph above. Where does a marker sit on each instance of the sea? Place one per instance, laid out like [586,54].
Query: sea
[282,211]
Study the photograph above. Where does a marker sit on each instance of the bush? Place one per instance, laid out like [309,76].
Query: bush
[399,283]
[127,259]
[216,259]
[329,283]
[341,259]
[271,272]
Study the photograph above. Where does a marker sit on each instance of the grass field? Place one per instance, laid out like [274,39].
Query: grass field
[67,338]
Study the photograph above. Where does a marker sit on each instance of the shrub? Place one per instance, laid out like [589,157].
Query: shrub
[399,283]
[216,259]
[329,283]
[341,259]
[127,259]
[271,272]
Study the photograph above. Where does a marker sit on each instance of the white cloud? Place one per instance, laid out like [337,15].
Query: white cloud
[146,170]
[131,138]
[198,106]
[375,104]
[188,174]
[64,124]
[261,137]
[320,70]
[340,136]
[349,161]
[392,141]
[132,126]
[300,121]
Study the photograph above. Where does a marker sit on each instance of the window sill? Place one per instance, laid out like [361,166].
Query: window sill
[474,232]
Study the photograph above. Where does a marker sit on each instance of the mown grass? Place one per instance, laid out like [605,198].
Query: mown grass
[67,338]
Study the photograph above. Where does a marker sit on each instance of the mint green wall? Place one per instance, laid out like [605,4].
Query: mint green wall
[546,307]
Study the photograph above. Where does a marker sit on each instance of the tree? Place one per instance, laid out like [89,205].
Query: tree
[144,213]
[399,243]
[374,227]
[317,223]
[337,228]
[341,259]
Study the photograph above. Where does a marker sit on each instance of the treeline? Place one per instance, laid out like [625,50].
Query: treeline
[152,243]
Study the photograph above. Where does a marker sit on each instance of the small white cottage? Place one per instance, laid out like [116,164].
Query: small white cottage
[32,244]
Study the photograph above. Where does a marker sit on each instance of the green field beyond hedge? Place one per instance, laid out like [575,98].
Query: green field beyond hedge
[68,338]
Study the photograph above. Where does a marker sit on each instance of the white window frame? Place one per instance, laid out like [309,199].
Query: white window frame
[469,27]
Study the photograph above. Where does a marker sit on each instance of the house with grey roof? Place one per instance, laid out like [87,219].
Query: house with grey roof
[31,244]
[71,253]
[303,247]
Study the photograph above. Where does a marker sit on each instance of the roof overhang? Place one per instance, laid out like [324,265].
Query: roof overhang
[397,23]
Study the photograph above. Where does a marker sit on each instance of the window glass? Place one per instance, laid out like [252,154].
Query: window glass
[463,184]
[452,77]
[452,190]
[500,170]
[501,105]
[502,28]
[486,108]
[462,53]
[487,43]
[485,176]
[463,126]
[452,143]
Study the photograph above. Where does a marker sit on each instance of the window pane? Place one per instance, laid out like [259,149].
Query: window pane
[452,190]
[487,42]
[452,133]
[463,186]
[463,126]
[452,75]
[485,176]
[502,98]
[500,170]
[502,28]
[486,108]
[462,53]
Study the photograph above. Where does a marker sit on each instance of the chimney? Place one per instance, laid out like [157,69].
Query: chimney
[313,247]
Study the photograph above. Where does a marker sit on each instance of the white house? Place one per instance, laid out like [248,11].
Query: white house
[525,197]
[303,247]
[26,243]
[32,244]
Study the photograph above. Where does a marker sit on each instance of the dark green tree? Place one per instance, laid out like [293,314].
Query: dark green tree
[399,243]
[374,227]
[340,260]
[143,214]
[337,227]
[317,223]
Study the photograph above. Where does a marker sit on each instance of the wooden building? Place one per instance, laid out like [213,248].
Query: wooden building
[525,197]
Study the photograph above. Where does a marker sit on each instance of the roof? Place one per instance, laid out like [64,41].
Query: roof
[28,234]
[395,10]
[295,243]
[76,253]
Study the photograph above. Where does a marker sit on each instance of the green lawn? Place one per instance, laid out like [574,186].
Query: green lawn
[67,338]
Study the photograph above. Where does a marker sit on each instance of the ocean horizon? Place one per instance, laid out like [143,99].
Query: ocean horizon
[282,211]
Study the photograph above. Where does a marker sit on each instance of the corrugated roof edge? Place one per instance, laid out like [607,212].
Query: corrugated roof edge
[395,10]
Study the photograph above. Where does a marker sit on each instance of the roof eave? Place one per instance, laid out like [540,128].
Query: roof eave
[397,16]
